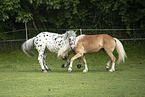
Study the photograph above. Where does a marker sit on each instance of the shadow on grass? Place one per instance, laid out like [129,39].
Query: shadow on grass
[66,71]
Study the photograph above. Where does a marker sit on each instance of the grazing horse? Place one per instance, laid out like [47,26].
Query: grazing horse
[53,42]
[93,43]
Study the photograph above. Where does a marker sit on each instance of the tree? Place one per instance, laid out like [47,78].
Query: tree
[74,13]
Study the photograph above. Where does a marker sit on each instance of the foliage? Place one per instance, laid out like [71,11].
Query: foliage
[8,8]
[72,14]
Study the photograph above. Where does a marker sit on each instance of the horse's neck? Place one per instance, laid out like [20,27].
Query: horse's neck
[78,38]
[65,48]
[65,40]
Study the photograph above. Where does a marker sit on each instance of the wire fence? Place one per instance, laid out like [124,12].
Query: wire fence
[13,40]
[13,31]
[82,31]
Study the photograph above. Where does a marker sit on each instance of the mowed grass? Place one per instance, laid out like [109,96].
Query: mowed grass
[21,76]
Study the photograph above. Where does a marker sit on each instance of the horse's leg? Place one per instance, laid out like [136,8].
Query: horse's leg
[113,67]
[86,68]
[41,49]
[44,57]
[65,65]
[110,54]
[67,62]
[40,58]
[80,63]
[108,64]
[72,59]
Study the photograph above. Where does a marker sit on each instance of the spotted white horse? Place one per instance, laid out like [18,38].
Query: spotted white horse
[53,42]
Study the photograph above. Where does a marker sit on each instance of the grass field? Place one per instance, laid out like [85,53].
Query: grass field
[21,76]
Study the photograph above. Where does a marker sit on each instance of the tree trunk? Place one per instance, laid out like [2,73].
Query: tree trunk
[35,26]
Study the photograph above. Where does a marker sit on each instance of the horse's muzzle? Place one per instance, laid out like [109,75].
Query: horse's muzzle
[64,58]
[72,47]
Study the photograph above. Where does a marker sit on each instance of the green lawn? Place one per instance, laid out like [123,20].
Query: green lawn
[21,76]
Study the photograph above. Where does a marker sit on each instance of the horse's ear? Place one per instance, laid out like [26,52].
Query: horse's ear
[66,35]
[81,31]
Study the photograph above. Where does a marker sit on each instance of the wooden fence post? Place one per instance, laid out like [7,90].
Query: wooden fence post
[26,31]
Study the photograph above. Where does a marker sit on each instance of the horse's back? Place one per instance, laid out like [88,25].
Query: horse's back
[89,44]
[43,38]
[93,43]
[108,42]
[49,40]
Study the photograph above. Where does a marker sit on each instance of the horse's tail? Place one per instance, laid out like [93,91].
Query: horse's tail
[26,47]
[120,50]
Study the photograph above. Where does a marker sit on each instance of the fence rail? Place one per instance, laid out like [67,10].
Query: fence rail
[12,40]
[13,31]
[134,39]
[104,29]
[81,31]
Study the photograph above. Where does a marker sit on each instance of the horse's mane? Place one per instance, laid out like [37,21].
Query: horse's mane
[78,38]
[65,48]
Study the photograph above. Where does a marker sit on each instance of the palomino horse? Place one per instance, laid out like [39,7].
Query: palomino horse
[93,43]
[57,43]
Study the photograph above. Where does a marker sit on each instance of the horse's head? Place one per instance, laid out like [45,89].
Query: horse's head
[71,38]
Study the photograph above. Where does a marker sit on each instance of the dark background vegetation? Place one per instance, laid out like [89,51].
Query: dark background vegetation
[72,14]
[52,15]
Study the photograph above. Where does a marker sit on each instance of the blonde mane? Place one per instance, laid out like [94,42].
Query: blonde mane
[66,48]
[78,38]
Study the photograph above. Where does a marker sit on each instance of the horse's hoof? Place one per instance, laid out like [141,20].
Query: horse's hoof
[63,66]
[69,70]
[107,69]
[48,69]
[44,71]
[86,70]
[79,66]
[111,70]
[64,58]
